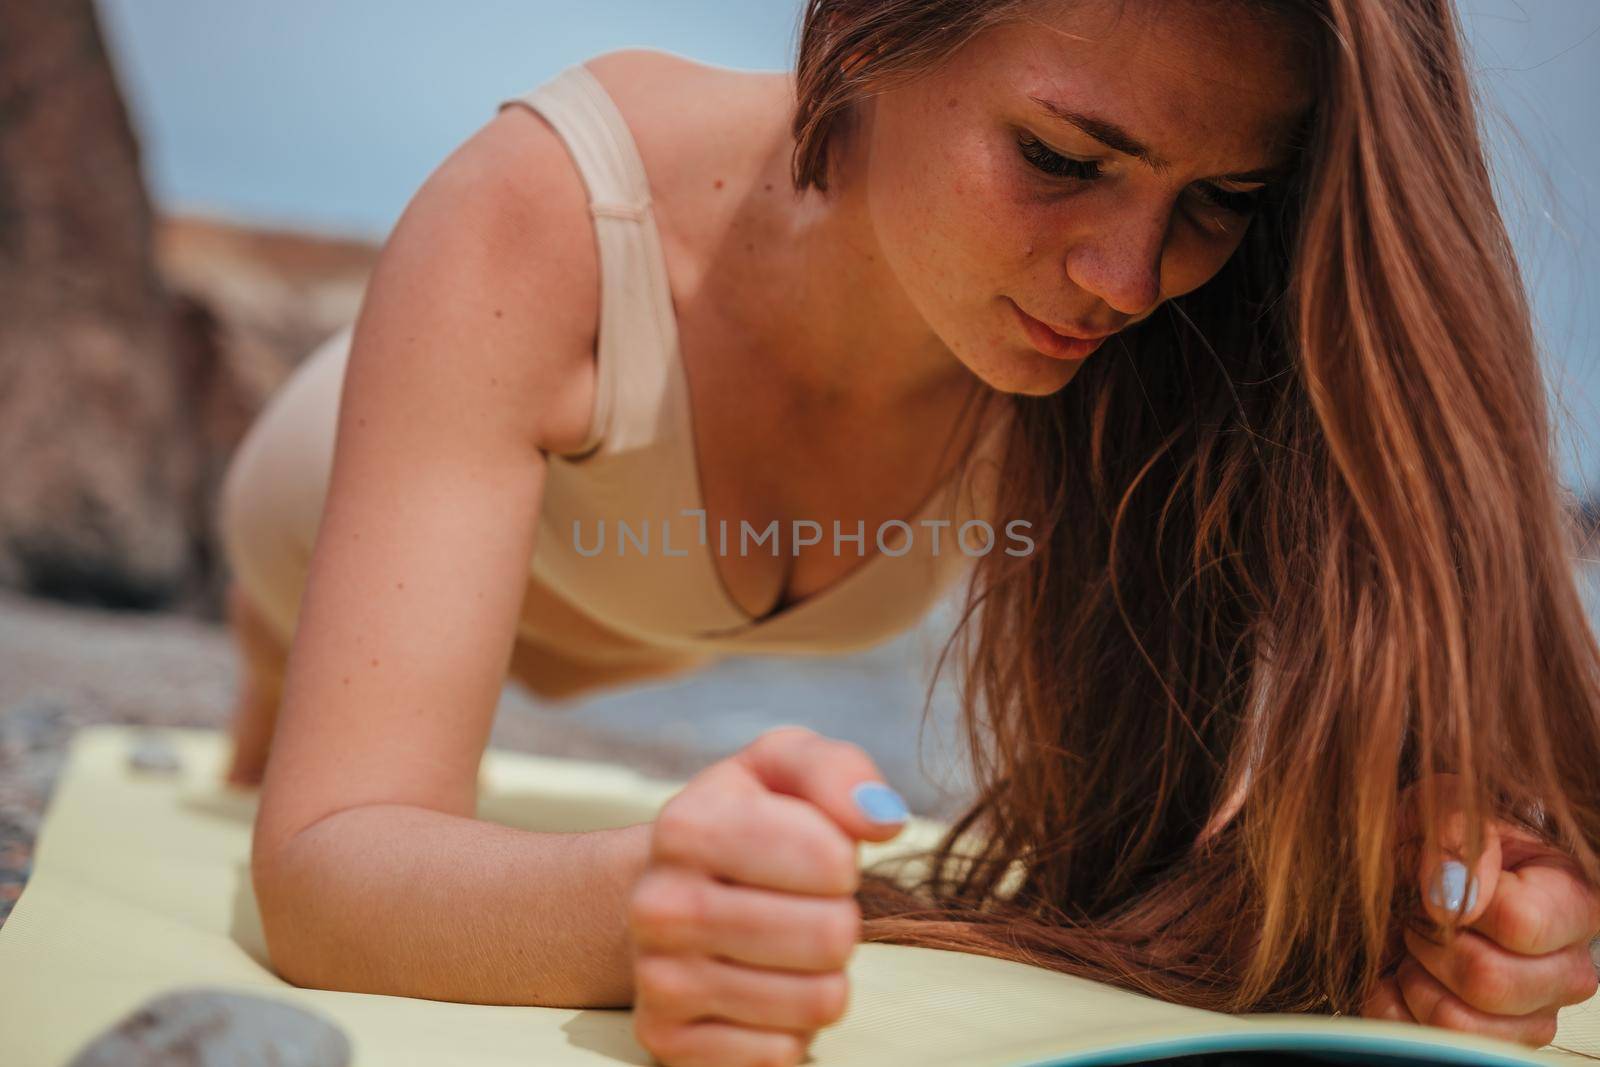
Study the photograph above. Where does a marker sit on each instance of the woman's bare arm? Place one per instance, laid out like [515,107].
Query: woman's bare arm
[471,358]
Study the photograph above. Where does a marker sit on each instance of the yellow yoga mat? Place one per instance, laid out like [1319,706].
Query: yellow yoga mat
[141,885]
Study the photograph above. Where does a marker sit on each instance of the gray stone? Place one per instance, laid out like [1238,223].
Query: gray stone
[153,754]
[199,1027]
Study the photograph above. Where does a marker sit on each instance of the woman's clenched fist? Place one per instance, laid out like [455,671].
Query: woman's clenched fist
[744,917]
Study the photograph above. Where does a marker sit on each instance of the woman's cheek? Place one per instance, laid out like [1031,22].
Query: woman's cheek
[956,231]
[996,217]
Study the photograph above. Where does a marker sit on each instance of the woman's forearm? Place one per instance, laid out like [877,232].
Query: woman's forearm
[406,901]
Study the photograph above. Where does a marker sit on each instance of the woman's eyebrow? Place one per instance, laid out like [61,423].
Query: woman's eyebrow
[1118,139]
[1106,132]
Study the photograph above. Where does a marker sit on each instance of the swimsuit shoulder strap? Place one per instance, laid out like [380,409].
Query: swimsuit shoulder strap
[637,334]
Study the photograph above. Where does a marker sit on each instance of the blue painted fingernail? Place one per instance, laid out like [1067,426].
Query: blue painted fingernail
[1450,887]
[879,803]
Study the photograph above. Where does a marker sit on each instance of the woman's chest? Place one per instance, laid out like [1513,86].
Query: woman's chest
[821,484]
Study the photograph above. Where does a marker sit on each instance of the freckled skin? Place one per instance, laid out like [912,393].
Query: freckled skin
[964,222]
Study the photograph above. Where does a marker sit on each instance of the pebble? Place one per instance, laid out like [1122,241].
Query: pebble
[201,1027]
[152,754]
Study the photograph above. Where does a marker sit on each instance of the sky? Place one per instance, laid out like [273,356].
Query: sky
[328,114]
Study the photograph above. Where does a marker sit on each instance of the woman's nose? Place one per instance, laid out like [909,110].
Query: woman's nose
[1121,264]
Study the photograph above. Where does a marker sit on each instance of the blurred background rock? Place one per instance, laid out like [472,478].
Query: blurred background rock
[191,196]
[136,345]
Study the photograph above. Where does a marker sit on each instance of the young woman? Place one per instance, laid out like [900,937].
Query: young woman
[1288,702]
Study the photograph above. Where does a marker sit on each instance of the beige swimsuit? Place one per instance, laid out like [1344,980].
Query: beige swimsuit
[624,554]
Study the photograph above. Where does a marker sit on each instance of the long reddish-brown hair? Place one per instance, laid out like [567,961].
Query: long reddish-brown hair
[1300,548]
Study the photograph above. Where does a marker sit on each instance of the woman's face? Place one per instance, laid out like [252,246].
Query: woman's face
[1075,169]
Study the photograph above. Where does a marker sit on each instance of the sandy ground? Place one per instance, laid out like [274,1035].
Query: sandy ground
[64,667]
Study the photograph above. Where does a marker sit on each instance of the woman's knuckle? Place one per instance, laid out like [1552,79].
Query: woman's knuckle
[669,908]
[827,998]
[664,981]
[643,912]
[1485,983]
[677,1043]
[1585,981]
[676,827]
[685,836]
[779,738]
[657,1035]
[1451,1014]
[833,857]
[669,835]
[840,932]
[851,752]
[780,1050]
[775,1050]
[1524,928]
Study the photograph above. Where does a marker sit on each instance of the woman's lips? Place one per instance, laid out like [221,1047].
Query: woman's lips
[1055,345]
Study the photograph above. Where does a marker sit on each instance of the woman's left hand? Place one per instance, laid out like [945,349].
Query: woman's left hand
[1522,950]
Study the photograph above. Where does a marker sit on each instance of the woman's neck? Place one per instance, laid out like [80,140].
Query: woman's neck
[831,311]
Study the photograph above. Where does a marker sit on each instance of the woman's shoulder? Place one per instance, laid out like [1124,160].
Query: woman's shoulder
[707,134]
[685,114]
[505,215]
[502,223]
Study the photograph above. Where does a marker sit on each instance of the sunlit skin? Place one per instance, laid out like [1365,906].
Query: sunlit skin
[946,219]
[1522,950]
[1084,165]
[945,176]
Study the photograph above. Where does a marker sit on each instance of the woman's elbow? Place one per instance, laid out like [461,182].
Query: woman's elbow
[283,903]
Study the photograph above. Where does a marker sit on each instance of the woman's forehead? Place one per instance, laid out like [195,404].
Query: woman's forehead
[1201,84]
[1193,47]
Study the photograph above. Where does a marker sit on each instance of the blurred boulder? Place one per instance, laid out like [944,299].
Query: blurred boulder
[97,464]
[133,350]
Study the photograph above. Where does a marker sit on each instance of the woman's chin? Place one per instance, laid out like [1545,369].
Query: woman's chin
[1027,372]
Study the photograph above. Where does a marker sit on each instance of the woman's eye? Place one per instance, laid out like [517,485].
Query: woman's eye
[1237,204]
[1056,164]
[1242,204]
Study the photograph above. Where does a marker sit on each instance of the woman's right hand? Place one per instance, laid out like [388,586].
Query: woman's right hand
[744,916]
